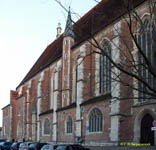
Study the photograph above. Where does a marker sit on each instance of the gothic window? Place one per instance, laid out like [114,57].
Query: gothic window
[4,130]
[19,129]
[46,127]
[79,73]
[55,81]
[39,89]
[147,48]
[69,125]
[105,69]
[95,120]
[80,68]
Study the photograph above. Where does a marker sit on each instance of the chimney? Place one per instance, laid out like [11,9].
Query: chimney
[59,29]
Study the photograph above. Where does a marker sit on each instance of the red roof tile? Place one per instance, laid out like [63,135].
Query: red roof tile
[51,54]
[99,17]
[96,19]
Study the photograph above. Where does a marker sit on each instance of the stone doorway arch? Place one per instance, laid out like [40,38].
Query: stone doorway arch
[146,134]
[141,117]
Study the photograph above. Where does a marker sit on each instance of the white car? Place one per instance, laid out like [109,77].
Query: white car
[49,147]
[24,146]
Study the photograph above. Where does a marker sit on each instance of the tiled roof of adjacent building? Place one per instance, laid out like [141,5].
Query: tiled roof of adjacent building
[103,14]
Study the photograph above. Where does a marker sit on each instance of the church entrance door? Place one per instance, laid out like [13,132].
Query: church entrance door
[147,135]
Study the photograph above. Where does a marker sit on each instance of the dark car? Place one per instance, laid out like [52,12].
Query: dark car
[36,146]
[15,145]
[2,140]
[71,147]
[5,145]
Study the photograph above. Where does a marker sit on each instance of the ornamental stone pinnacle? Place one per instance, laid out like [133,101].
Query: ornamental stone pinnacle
[59,30]
[69,27]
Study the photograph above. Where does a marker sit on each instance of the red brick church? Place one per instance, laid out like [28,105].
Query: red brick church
[68,96]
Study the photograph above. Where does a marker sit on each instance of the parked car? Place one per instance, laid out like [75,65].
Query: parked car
[2,140]
[5,145]
[15,145]
[71,147]
[49,147]
[36,146]
[24,145]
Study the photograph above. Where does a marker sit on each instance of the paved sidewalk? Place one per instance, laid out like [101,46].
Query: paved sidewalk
[122,148]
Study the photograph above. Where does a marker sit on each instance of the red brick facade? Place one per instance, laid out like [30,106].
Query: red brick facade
[65,82]
[6,122]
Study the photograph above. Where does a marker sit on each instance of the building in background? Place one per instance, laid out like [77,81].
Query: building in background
[6,123]
[66,97]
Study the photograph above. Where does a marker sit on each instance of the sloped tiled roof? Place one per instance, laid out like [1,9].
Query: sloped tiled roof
[51,54]
[103,14]
[6,106]
[96,19]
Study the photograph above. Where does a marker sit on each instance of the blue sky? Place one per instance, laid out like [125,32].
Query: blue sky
[26,28]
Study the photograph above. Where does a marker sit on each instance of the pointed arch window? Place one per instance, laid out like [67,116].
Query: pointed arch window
[19,129]
[55,81]
[69,125]
[105,69]
[95,120]
[46,127]
[147,43]
[4,130]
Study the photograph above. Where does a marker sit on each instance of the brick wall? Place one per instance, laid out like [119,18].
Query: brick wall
[6,123]
[63,136]
[101,137]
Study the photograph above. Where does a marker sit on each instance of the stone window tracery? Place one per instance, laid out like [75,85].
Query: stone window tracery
[19,129]
[69,125]
[146,41]
[95,120]
[46,127]
[55,81]
[105,69]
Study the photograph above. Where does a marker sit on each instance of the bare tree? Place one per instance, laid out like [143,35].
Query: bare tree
[136,67]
